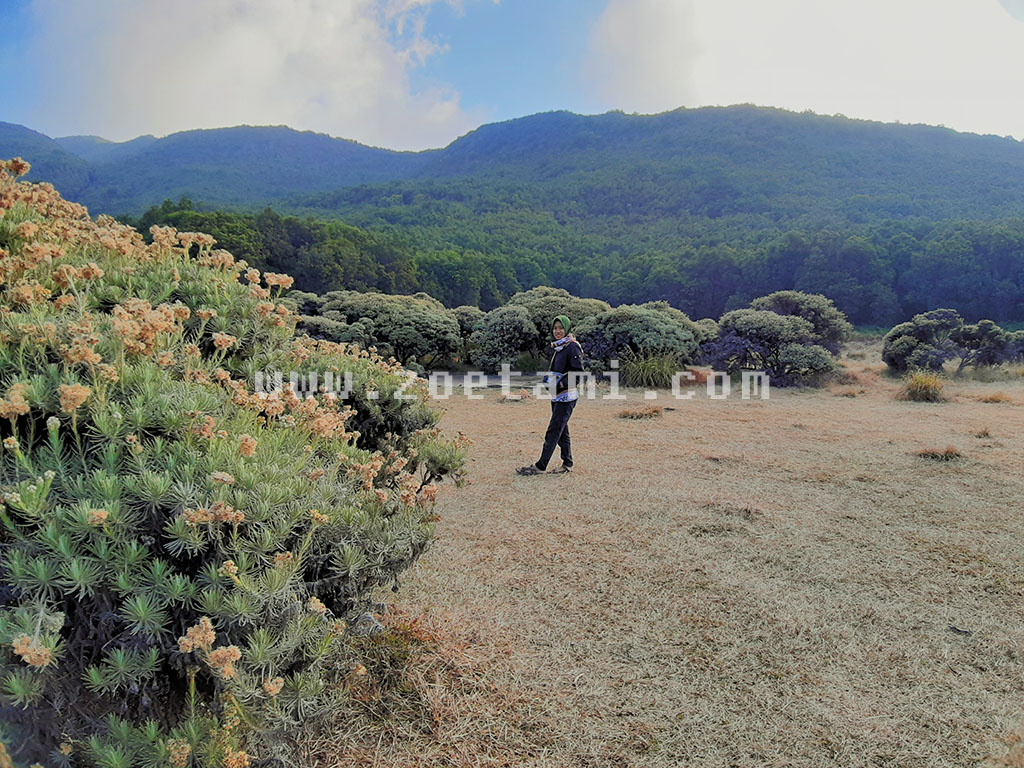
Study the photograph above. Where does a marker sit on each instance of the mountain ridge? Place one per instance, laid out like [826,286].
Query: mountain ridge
[251,166]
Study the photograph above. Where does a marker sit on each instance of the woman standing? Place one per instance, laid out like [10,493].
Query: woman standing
[567,359]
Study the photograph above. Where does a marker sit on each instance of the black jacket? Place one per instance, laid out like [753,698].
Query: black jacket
[565,360]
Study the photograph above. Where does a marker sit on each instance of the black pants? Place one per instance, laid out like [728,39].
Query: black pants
[557,434]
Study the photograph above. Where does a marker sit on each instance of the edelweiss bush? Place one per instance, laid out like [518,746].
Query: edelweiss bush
[178,552]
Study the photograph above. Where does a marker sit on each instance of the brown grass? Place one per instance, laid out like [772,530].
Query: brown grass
[522,396]
[640,412]
[995,397]
[798,601]
[847,376]
[949,453]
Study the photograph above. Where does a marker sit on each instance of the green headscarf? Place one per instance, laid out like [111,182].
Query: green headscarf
[564,321]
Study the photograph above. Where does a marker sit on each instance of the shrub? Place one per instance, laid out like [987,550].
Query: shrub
[180,553]
[830,326]
[932,338]
[922,387]
[416,327]
[1015,347]
[543,303]
[641,336]
[781,345]
[924,342]
[467,317]
[501,336]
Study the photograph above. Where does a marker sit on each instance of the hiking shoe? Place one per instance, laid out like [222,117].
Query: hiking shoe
[562,470]
[529,469]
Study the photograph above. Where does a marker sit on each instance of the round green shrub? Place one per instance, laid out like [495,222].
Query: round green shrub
[831,328]
[406,327]
[544,303]
[647,337]
[502,336]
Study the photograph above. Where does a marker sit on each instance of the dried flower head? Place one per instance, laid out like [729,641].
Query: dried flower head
[201,637]
[178,750]
[26,230]
[316,606]
[31,652]
[97,516]
[282,281]
[247,446]
[14,404]
[224,341]
[72,396]
[223,659]
[197,516]
[282,559]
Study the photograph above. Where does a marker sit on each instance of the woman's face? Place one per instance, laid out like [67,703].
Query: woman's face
[558,330]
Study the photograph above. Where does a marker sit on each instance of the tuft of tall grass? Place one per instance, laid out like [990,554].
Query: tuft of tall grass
[649,369]
[923,387]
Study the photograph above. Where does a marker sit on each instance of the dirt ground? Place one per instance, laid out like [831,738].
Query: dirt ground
[779,582]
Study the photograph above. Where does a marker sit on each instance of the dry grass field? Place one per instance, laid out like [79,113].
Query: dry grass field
[736,583]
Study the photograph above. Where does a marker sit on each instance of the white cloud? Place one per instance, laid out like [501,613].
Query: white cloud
[641,54]
[120,68]
[932,61]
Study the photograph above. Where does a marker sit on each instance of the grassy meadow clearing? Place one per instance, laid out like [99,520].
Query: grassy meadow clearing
[790,582]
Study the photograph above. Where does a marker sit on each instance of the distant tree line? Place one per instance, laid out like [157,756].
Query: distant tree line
[876,274]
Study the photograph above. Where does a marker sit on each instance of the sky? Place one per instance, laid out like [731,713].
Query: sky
[412,74]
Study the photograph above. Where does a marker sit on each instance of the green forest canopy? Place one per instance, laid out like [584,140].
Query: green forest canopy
[703,208]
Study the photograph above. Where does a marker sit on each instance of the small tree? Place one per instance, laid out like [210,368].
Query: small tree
[781,345]
[924,342]
[983,343]
[467,318]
